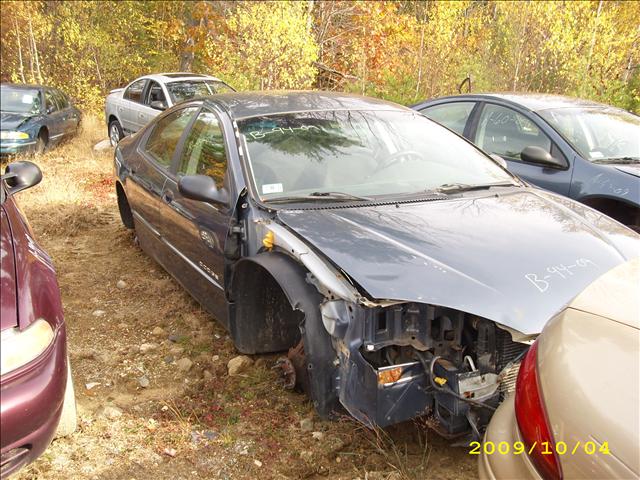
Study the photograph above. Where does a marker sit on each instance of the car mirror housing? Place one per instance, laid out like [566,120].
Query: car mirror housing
[540,156]
[19,176]
[202,188]
[158,105]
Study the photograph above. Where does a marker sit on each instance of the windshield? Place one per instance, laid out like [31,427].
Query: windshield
[186,89]
[598,134]
[19,100]
[359,153]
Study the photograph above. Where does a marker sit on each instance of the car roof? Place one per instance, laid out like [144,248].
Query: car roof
[532,101]
[177,77]
[22,86]
[258,103]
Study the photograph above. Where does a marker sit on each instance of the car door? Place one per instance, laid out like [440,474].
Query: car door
[198,229]
[69,116]
[453,115]
[505,132]
[145,191]
[132,100]
[54,117]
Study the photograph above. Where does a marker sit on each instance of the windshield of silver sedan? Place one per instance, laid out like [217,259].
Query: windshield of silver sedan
[185,89]
[599,134]
[354,155]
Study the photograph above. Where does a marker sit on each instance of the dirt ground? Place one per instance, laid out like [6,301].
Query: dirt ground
[144,412]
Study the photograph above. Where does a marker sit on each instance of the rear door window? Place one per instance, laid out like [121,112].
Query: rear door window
[505,132]
[134,91]
[452,115]
[163,140]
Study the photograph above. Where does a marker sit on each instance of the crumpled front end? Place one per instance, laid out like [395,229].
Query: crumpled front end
[407,360]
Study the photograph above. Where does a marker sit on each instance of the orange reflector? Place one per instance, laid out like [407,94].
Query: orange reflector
[389,376]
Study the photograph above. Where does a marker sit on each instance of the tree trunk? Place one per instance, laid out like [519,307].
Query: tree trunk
[35,53]
[20,52]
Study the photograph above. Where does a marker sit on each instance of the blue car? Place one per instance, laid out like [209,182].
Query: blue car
[34,117]
[585,150]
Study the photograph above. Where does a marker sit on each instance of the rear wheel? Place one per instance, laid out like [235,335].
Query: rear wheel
[68,419]
[115,132]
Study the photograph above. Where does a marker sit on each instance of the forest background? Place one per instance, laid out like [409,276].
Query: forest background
[403,51]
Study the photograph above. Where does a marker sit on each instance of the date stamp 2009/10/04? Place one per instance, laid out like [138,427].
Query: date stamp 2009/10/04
[545,448]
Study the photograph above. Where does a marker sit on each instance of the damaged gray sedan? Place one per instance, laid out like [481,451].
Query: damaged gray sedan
[404,271]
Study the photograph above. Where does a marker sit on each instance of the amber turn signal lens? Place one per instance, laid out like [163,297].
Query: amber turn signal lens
[389,376]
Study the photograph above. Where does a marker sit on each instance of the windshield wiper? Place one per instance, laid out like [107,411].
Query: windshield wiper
[320,196]
[619,160]
[463,187]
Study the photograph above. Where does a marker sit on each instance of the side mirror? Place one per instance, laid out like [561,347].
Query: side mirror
[540,156]
[202,188]
[499,160]
[158,105]
[19,176]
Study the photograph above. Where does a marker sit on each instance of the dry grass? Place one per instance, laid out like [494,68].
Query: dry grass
[74,216]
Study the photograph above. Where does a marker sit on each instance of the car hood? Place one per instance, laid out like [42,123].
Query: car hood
[8,299]
[12,121]
[631,169]
[517,257]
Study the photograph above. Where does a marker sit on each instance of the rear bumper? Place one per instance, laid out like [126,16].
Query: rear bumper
[32,400]
[503,428]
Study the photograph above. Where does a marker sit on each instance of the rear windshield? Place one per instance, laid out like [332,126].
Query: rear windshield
[19,100]
[187,89]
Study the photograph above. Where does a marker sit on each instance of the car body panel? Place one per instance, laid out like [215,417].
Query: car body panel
[429,252]
[32,395]
[60,124]
[582,179]
[8,294]
[588,367]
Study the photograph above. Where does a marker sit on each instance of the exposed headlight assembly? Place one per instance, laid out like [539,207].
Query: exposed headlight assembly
[17,348]
[11,135]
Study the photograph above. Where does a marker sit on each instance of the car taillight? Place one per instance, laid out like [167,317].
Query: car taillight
[532,418]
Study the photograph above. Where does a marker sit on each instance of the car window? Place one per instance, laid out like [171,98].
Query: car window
[359,152]
[166,134]
[155,94]
[451,115]
[50,100]
[19,100]
[506,132]
[134,92]
[60,99]
[204,152]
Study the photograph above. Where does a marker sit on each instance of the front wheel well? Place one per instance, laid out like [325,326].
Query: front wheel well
[44,133]
[623,212]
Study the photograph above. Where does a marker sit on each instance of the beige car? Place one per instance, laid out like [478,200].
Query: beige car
[576,409]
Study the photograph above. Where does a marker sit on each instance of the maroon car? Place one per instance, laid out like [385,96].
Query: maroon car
[36,391]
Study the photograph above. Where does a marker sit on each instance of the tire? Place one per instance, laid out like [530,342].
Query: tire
[41,143]
[68,419]
[115,132]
